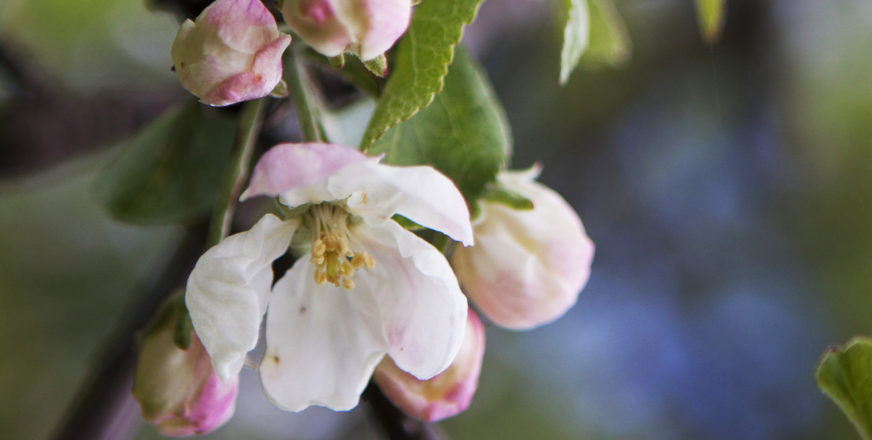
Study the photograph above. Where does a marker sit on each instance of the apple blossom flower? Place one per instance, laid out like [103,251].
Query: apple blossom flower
[367,28]
[177,389]
[527,267]
[232,53]
[445,395]
[365,288]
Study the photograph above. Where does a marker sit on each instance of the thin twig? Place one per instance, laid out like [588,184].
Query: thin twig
[298,88]
[250,120]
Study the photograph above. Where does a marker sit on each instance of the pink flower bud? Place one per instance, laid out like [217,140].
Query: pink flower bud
[527,267]
[367,28]
[232,53]
[177,390]
[445,395]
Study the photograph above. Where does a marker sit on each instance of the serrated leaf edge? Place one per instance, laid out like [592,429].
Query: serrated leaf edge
[367,142]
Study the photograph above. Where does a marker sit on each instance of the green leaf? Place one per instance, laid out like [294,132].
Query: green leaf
[576,31]
[710,16]
[170,171]
[463,133]
[845,375]
[421,63]
[609,43]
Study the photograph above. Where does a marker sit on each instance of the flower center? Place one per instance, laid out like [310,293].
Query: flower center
[335,253]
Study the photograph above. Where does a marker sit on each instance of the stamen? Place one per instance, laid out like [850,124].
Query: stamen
[333,247]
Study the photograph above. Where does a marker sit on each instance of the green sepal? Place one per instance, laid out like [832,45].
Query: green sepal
[406,223]
[172,313]
[502,195]
[184,331]
[338,62]
[280,90]
[378,66]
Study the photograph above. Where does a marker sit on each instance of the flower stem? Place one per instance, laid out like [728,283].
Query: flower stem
[250,120]
[299,88]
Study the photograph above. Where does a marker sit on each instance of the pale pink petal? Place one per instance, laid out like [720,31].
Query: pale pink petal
[423,311]
[244,25]
[316,23]
[527,267]
[298,173]
[374,25]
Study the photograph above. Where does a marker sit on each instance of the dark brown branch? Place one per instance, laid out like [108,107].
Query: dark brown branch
[396,424]
[99,405]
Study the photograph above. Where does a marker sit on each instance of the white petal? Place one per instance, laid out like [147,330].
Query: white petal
[297,173]
[227,291]
[422,308]
[376,192]
[322,342]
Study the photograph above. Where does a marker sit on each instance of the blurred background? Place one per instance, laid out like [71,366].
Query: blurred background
[728,190]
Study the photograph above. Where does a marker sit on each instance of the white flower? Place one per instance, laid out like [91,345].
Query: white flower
[366,288]
[527,267]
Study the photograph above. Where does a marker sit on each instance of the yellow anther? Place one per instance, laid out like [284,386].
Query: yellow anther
[318,261]
[346,270]
[357,260]
[367,258]
[318,248]
[320,277]
[347,283]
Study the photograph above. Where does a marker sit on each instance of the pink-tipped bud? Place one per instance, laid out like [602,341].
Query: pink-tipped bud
[445,395]
[177,389]
[367,28]
[527,266]
[231,53]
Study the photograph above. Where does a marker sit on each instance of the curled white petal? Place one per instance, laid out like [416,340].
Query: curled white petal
[227,291]
[422,309]
[420,193]
[323,342]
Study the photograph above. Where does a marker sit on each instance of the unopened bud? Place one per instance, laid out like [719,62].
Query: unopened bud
[367,28]
[231,53]
[528,265]
[177,389]
[445,395]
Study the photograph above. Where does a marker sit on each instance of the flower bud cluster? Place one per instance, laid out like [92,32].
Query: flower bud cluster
[233,51]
